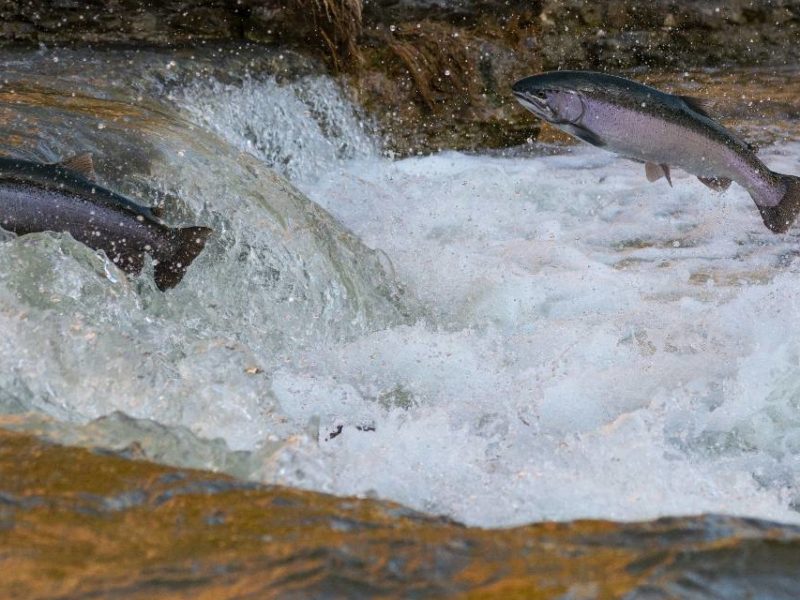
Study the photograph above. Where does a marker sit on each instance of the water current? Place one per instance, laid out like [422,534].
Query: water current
[498,339]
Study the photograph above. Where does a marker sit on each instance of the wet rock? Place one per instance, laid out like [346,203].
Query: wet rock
[80,524]
[676,33]
[433,85]
[174,21]
[327,28]
[461,12]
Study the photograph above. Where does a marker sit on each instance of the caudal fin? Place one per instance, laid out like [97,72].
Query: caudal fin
[189,242]
[780,217]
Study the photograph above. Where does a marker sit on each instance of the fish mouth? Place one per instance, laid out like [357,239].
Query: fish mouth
[537,106]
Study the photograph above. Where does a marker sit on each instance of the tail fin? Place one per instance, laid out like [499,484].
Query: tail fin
[780,217]
[189,242]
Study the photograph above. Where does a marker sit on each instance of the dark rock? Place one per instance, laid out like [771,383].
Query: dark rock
[460,12]
[625,34]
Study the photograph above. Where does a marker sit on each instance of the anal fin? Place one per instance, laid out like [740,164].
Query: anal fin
[718,184]
[655,172]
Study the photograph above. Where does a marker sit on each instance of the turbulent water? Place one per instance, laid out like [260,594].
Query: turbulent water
[538,337]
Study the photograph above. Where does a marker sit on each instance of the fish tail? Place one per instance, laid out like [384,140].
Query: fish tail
[780,217]
[189,242]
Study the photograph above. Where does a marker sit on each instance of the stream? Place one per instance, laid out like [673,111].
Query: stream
[499,338]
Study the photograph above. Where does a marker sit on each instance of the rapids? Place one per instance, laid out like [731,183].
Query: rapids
[501,339]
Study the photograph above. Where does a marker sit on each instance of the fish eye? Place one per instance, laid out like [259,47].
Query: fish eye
[541,94]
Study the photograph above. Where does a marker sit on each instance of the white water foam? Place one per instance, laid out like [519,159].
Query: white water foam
[598,346]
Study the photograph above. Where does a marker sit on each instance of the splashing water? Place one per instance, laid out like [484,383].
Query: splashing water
[573,342]
[298,128]
[278,274]
[601,346]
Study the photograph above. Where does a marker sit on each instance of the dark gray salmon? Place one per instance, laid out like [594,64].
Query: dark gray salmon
[661,130]
[62,197]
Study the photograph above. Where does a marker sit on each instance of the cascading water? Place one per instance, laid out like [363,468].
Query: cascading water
[278,274]
[299,128]
[573,341]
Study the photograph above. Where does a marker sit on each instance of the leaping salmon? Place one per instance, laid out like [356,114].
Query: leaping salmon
[662,130]
[64,197]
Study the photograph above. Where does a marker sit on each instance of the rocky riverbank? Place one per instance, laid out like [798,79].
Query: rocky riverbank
[435,74]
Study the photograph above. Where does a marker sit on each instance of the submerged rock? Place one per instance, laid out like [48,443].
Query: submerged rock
[279,273]
[131,529]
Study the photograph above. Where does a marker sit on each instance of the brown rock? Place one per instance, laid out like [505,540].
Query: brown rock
[76,523]
[434,85]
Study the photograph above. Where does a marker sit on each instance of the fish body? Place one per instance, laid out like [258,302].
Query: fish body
[662,130]
[54,197]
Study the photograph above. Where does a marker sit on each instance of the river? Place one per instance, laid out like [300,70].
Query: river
[537,335]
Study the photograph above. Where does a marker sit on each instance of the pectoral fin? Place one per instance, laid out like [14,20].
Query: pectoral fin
[718,184]
[80,163]
[588,136]
[655,172]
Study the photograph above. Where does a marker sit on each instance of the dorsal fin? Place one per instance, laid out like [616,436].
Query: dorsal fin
[702,106]
[80,163]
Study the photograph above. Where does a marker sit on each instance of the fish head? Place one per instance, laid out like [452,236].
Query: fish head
[551,99]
